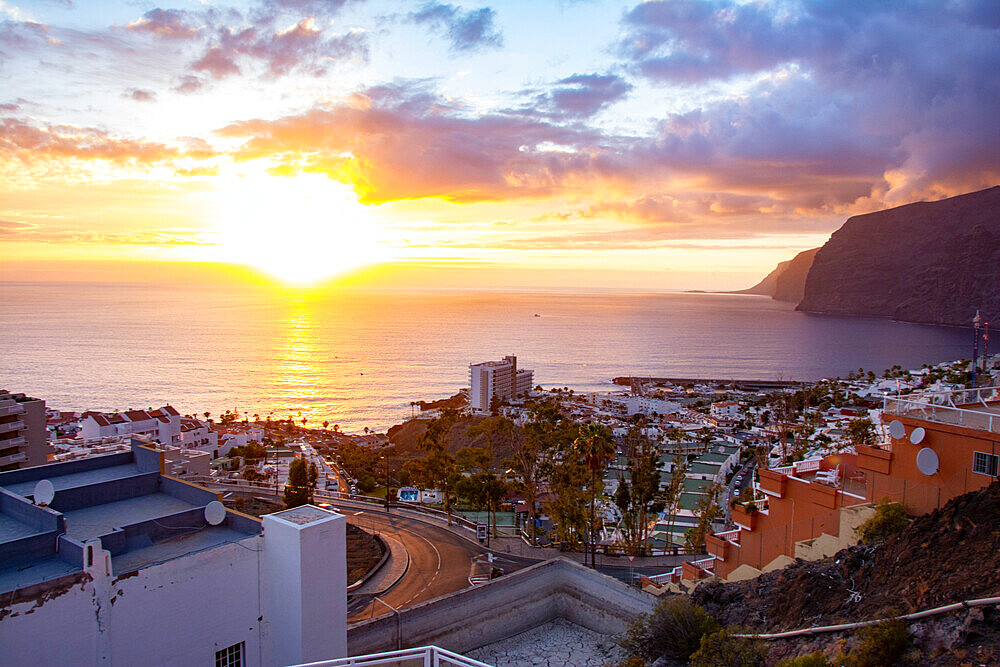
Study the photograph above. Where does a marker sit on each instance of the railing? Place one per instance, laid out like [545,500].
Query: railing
[963,407]
[15,409]
[19,441]
[327,496]
[13,458]
[429,656]
[15,425]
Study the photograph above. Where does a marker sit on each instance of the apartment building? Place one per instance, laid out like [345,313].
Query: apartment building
[940,446]
[162,425]
[501,378]
[23,433]
[108,560]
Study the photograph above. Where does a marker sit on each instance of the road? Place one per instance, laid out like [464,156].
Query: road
[439,561]
[734,489]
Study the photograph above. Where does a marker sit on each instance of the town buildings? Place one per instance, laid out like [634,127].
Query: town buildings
[501,379]
[108,560]
[162,425]
[939,446]
[23,434]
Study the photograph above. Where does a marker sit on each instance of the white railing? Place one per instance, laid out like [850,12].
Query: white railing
[13,458]
[16,425]
[962,407]
[428,656]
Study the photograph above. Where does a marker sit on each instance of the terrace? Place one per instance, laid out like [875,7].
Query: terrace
[977,409]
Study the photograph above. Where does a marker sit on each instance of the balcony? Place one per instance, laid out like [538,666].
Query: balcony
[13,458]
[19,441]
[977,409]
[14,409]
[425,656]
[16,425]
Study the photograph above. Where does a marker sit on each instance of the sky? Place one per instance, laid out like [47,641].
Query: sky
[670,144]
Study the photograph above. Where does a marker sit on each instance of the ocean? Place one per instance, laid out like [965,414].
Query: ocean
[358,358]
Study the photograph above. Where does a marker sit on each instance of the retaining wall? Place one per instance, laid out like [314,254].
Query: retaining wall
[504,607]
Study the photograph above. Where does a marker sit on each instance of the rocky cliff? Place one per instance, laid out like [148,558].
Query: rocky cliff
[787,281]
[935,262]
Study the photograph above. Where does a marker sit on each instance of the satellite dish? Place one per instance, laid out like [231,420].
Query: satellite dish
[44,492]
[927,461]
[917,436]
[215,513]
[896,429]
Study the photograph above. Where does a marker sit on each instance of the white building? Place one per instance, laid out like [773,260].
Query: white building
[196,434]
[643,405]
[726,409]
[497,378]
[162,425]
[127,566]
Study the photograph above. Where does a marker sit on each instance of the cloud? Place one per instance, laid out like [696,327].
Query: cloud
[29,143]
[188,84]
[468,30]
[577,97]
[402,141]
[166,24]
[302,47]
[12,231]
[879,92]
[139,95]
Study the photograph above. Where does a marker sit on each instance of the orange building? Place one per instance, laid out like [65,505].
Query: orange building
[940,446]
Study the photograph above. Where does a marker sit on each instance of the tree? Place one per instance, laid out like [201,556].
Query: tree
[642,496]
[326,424]
[298,491]
[673,630]
[596,446]
[861,432]
[707,511]
[889,518]
[672,494]
[469,459]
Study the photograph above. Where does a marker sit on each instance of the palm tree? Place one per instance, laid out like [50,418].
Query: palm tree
[596,445]
[326,423]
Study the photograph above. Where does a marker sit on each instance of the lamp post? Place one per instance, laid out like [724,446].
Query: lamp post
[975,349]
[386,458]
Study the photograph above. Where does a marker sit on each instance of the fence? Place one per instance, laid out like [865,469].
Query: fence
[427,656]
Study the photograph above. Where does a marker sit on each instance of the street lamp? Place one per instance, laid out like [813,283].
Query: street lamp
[386,458]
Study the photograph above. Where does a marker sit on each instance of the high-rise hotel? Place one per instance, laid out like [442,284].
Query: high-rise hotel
[497,378]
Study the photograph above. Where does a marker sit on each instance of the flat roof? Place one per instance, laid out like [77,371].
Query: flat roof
[73,480]
[83,524]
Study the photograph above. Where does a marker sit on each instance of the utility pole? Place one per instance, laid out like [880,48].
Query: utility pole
[975,349]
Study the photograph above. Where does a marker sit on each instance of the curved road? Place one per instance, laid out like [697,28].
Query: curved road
[439,562]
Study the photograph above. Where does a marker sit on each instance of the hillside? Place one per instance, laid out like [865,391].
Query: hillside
[949,555]
[787,281]
[935,262]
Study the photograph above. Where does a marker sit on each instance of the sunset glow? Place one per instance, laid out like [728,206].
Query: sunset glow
[682,144]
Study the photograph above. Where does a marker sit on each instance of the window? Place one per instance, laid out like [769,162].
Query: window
[231,656]
[985,464]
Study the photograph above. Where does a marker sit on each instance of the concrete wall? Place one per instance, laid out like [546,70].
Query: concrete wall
[512,604]
[176,613]
[66,468]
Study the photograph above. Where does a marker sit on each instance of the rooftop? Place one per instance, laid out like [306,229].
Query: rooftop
[977,409]
[141,516]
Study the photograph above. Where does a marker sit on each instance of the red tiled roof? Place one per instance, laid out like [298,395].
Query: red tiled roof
[170,410]
[137,415]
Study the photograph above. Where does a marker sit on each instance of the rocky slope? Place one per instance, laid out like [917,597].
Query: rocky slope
[934,262]
[949,555]
[787,281]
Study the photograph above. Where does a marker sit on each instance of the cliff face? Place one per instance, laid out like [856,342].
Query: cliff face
[787,281]
[934,262]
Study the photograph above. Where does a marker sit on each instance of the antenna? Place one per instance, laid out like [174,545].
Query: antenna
[896,429]
[927,461]
[917,436]
[215,513]
[44,492]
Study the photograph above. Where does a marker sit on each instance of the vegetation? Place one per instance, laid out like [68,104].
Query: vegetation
[861,432]
[722,648]
[880,644]
[673,629]
[301,483]
[638,500]
[890,518]
[707,511]
[596,446]
[816,659]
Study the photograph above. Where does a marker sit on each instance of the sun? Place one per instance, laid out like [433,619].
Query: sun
[300,229]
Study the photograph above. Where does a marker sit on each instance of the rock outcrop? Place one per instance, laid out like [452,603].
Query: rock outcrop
[935,262]
[932,262]
[788,280]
